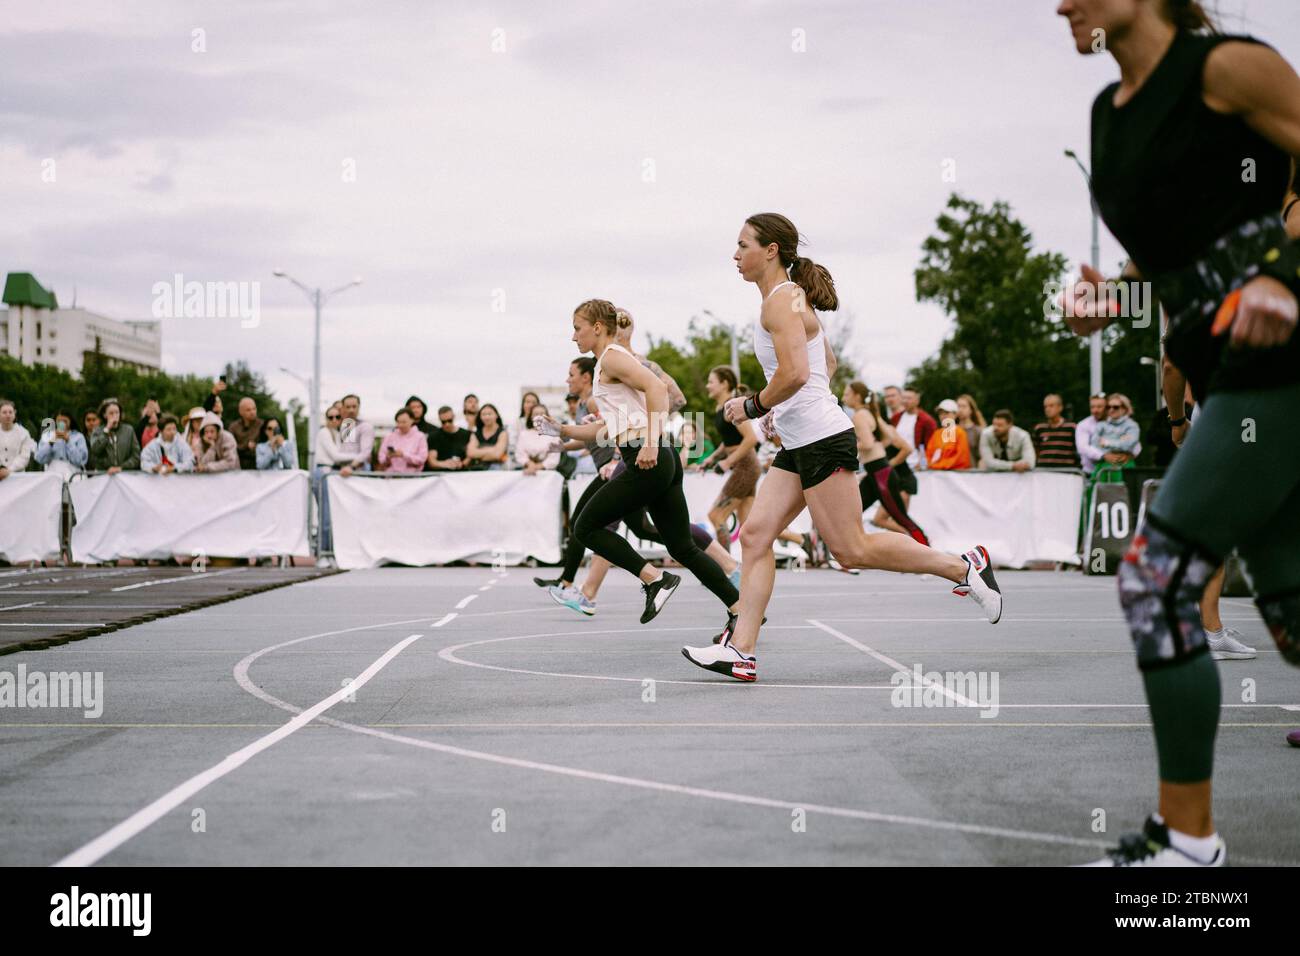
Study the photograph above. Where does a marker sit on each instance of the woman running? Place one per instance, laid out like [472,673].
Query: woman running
[879,483]
[818,458]
[1227,274]
[735,455]
[634,405]
[564,590]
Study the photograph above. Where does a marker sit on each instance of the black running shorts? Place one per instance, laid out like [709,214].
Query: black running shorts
[816,462]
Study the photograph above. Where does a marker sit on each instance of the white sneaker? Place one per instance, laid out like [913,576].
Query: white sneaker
[325,562]
[724,659]
[981,585]
[1227,647]
[1152,847]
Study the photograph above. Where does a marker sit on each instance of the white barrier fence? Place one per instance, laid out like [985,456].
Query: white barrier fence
[504,517]
[247,514]
[30,502]
[495,516]
[1020,518]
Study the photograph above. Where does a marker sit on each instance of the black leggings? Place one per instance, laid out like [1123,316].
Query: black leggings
[659,491]
[638,523]
[881,483]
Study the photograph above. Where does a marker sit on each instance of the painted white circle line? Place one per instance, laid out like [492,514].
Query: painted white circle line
[242,678]
[449,654]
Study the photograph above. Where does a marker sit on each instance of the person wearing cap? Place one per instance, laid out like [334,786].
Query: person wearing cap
[948,448]
[1054,438]
[192,432]
[220,452]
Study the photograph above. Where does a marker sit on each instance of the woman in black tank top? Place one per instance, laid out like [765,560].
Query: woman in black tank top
[735,455]
[1190,159]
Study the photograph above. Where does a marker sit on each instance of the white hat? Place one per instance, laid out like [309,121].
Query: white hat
[211,418]
[948,405]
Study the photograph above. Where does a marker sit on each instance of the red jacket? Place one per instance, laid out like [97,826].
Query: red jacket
[925,427]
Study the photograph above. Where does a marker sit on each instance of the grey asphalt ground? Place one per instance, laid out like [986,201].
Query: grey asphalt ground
[517,732]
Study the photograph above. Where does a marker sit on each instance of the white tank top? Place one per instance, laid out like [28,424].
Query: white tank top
[811,413]
[620,405]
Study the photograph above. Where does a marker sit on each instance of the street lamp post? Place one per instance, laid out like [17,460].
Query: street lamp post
[1094,340]
[317,298]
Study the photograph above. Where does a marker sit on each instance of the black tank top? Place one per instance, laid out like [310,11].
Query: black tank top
[728,433]
[1169,177]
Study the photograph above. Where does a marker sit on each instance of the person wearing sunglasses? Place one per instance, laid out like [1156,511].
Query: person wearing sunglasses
[1116,438]
[330,456]
[448,446]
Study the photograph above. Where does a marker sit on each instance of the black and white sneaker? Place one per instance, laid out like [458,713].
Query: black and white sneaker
[729,629]
[657,595]
[1152,847]
[981,586]
[547,582]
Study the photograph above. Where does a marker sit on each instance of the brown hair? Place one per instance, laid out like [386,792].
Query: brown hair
[975,414]
[726,375]
[1189,15]
[773,228]
[871,404]
[599,312]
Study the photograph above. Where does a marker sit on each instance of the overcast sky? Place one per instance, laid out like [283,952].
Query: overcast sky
[511,159]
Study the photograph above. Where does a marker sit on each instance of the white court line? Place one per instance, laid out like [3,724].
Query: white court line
[57,624]
[449,654]
[109,841]
[241,676]
[486,587]
[192,576]
[464,602]
[890,662]
[14,607]
[445,619]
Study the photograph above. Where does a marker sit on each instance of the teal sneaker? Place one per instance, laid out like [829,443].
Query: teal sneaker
[573,599]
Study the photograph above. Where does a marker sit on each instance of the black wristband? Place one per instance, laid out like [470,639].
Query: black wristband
[752,408]
[1177,422]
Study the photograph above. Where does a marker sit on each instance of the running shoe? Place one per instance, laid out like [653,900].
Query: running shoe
[836,566]
[810,548]
[981,585]
[724,659]
[1152,847]
[657,595]
[548,582]
[735,578]
[1225,646]
[573,599]
[729,628]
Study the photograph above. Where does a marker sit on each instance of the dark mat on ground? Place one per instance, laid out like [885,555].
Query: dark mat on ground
[42,607]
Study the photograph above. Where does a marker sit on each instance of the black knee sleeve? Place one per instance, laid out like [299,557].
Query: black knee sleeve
[1161,581]
[1282,615]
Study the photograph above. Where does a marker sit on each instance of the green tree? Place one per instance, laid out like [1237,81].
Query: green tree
[1006,347]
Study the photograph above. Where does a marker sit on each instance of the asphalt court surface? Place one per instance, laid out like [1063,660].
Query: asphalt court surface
[458,716]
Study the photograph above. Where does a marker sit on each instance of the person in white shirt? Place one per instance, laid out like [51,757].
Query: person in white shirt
[533,450]
[1004,447]
[1084,431]
[357,439]
[62,449]
[168,452]
[16,445]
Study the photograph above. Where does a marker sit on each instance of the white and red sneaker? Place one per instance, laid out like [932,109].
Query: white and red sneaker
[724,659]
[980,585]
